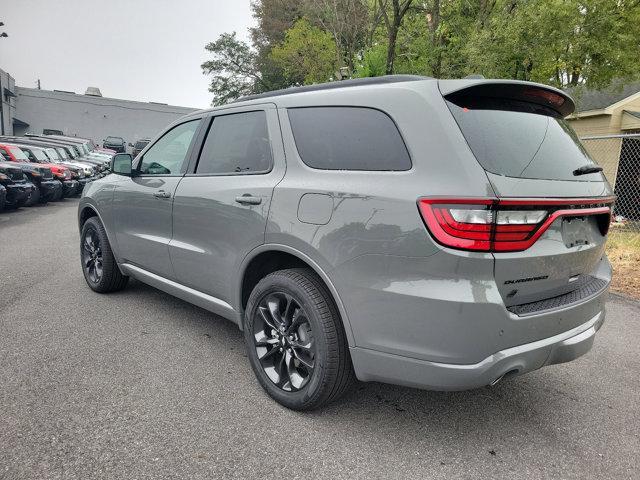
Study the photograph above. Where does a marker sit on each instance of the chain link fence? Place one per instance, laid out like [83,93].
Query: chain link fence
[619,156]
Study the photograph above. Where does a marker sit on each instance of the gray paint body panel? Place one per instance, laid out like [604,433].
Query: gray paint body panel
[413,311]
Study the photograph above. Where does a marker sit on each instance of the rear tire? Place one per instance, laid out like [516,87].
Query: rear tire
[295,340]
[99,266]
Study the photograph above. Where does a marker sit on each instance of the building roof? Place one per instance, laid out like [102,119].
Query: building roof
[587,99]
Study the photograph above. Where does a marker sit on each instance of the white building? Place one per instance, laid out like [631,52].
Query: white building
[88,115]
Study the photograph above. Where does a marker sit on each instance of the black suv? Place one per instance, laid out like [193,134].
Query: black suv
[115,143]
[139,146]
[18,191]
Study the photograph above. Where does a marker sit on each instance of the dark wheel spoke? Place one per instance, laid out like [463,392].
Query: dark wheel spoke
[266,317]
[297,320]
[283,341]
[269,353]
[289,310]
[273,304]
[303,358]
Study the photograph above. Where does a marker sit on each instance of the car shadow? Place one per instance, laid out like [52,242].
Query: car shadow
[514,406]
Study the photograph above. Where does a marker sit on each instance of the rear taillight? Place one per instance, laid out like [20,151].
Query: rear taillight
[492,225]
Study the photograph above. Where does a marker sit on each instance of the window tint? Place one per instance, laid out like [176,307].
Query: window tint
[168,154]
[520,139]
[348,138]
[236,143]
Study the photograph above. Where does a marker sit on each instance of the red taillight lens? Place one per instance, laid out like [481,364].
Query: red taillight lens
[492,225]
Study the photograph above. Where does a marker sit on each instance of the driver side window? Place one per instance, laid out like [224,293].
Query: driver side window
[167,155]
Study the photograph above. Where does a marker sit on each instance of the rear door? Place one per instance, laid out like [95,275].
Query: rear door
[142,204]
[221,206]
[531,155]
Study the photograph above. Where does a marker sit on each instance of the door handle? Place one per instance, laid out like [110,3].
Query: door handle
[247,199]
[162,194]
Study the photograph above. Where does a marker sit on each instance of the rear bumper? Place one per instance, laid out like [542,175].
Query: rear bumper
[371,365]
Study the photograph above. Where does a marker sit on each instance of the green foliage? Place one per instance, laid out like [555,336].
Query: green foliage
[307,54]
[374,62]
[560,42]
[232,68]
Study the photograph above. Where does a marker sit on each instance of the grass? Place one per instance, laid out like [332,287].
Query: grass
[623,250]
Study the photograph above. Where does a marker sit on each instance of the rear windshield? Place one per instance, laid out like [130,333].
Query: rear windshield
[520,139]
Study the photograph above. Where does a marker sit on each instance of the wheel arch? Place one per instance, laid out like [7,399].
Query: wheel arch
[250,269]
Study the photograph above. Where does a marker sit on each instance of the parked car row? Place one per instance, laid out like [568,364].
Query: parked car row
[43,168]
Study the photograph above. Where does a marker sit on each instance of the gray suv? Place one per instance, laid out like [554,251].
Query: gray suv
[441,234]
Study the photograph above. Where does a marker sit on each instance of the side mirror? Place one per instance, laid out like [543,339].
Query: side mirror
[121,164]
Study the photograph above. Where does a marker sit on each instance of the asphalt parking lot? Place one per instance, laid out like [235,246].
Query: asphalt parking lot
[141,385]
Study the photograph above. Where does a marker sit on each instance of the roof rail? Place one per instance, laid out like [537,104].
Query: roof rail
[355,82]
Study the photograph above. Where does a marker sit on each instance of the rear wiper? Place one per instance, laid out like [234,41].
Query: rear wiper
[585,169]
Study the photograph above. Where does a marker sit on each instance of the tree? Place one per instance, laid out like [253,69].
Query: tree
[233,68]
[393,22]
[274,18]
[306,55]
[346,21]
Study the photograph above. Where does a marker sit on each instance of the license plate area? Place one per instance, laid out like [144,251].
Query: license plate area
[577,231]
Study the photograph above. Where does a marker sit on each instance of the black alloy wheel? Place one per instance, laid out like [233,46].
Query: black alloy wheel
[283,340]
[92,261]
[295,340]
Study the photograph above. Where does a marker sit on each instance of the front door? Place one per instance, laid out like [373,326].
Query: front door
[221,207]
[143,203]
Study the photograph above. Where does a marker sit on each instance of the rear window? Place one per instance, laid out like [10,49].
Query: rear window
[348,138]
[141,144]
[520,139]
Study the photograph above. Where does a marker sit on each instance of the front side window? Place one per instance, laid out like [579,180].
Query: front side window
[169,153]
[348,138]
[236,143]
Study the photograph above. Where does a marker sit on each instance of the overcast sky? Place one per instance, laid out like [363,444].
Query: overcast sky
[148,50]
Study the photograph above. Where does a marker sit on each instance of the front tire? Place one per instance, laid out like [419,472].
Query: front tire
[98,263]
[295,340]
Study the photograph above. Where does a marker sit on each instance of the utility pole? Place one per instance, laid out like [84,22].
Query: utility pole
[38,82]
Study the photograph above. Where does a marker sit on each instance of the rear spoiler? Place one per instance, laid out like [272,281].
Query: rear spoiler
[537,93]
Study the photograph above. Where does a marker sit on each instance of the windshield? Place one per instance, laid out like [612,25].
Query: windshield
[62,152]
[19,154]
[39,154]
[519,139]
[53,155]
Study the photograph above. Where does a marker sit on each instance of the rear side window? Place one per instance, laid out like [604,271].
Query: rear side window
[348,138]
[520,139]
[236,143]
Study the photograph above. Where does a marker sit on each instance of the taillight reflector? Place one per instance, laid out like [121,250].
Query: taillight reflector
[492,225]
